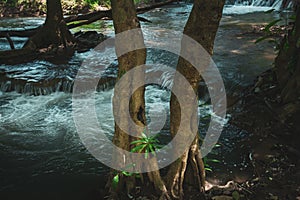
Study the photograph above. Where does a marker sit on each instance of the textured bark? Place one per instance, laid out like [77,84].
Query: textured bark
[53,39]
[125,18]
[54,31]
[287,63]
[202,26]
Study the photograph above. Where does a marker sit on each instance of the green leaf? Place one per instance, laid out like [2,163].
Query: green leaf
[159,146]
[152,150]
[273,41]
[137,142]
[146,153]
[293,17]
[144,135]
[155,140]
[217,145]
[214,160]
[115,181]
[208,169]
[262,39]
[127,173]
[267,28]
[138,148]
[235,195]
[137,175]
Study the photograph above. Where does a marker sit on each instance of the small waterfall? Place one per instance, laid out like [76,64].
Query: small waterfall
[42,78]
[276,4]
[48,87]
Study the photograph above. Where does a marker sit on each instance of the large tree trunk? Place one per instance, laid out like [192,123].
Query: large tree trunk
[202,26]
[125,18]
[54,31]
[51,40]
[287,63]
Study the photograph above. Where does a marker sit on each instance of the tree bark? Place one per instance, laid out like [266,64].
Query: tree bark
[124,19]
[202,26]
[52,39]
[54,31]
[287,63]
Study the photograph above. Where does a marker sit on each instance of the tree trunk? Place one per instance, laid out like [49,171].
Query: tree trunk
[124,19]
[202,26]
[54,31]
[52,41]
[287,63]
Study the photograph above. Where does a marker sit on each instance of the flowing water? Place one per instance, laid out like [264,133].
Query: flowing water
[41,154]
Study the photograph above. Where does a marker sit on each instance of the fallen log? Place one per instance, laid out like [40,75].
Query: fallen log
[21,33]
[54,54]
[153,6]
[108,13]
[31,51]
[17,56]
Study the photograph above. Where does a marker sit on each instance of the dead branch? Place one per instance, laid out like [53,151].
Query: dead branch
[11,43]
[22,33]
[17,56]
[151,7]
[108,13]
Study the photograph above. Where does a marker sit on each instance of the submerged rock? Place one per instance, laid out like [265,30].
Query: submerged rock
[88,39]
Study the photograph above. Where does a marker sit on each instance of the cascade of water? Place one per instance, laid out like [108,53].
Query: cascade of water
[255,2]
[250,6]
[276,4]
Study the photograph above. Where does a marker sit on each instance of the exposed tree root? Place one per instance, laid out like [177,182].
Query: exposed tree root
[157,180]
[173,177]
[176,175]
[197,165]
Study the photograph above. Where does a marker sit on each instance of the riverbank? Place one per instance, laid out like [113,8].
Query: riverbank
[38,9]
[273,141]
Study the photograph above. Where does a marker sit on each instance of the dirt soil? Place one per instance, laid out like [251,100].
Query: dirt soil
[274,141]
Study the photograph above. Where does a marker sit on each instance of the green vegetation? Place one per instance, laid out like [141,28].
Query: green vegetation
[116,177]
[66,4]
[270,34]
[24,5]
[147,144]
[207,161]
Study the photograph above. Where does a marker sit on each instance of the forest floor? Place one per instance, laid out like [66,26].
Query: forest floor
[273,145]
[274,141]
